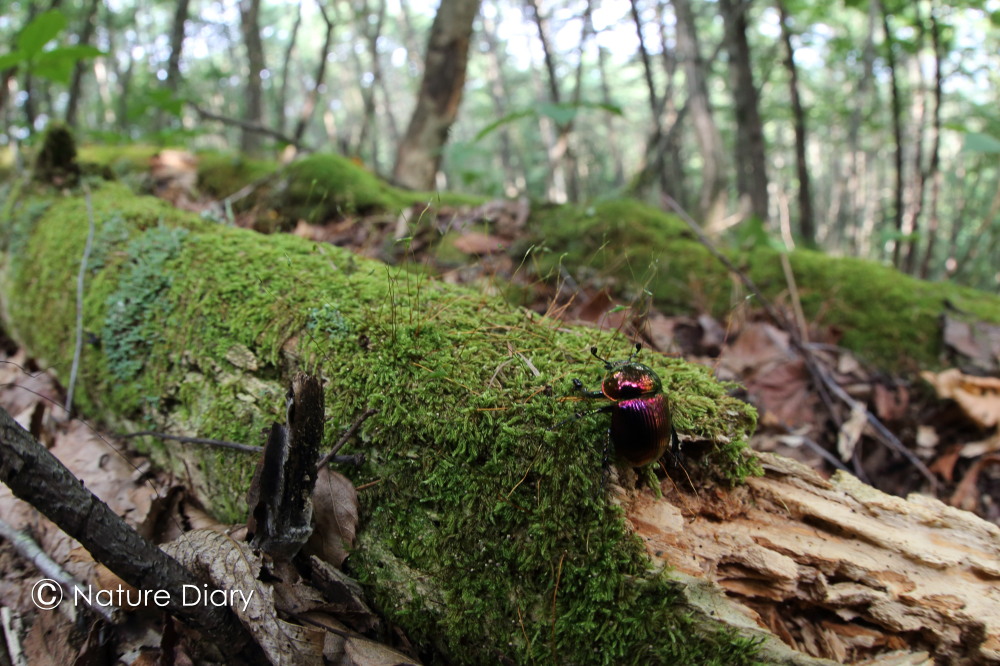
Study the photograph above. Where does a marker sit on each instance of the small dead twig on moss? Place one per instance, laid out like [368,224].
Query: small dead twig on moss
[78,347]
[821,379]
[332,455]
[220,443]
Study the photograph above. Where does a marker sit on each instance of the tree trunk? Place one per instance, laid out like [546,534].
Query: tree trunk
[561,186]
[712,199]
[75,84]
[420,152]
[250,140]
[933,168]
[312,97]
[897,135]
[484,535]
[280,110]
[807,225]
[750,155]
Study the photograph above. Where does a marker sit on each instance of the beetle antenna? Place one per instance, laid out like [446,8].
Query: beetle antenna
[638,348]
[606,362]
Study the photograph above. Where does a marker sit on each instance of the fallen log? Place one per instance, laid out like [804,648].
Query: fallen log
[484,535]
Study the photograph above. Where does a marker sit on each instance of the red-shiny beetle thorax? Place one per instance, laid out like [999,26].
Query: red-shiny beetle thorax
[630,380]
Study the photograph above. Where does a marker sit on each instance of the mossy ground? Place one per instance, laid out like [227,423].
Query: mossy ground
[485,535]
[886,317]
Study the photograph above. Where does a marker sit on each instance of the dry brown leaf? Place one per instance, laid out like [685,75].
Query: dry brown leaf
[891,404]
[979,397]
[850,432]
[983,446]
[335,512]
[475,242]
[232,566]
[977,341]
[363,652]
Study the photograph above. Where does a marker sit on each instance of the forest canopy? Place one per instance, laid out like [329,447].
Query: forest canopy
[865,129]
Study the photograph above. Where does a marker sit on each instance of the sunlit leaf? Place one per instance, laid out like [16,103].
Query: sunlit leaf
[11,59]
[984,144]
[500,122]
[54,68]
[561,114]
[40,32]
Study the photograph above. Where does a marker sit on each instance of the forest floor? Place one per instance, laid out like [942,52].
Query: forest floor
[946,422]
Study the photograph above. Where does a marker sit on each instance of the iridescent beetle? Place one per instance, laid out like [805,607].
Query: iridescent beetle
[641,427]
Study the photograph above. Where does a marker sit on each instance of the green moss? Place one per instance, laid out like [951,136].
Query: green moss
[223,174]
[325,186]
[471,489]
[885,317]
[122,160]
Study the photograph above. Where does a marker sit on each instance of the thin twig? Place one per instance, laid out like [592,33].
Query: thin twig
[31,551]
[11,630]
[345,437]
[793,291]
[246,448]
[78,348]
[821,379]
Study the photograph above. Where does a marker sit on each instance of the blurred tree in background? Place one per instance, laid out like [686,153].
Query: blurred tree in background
[866,129]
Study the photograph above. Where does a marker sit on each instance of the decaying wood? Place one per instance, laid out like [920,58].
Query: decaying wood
[834,567]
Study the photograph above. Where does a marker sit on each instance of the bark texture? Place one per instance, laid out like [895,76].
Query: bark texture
[254,110]
[712,197]
[440,94]
[751,158]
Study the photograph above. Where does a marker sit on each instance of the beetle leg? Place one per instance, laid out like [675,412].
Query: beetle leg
[578,386]
[675,444]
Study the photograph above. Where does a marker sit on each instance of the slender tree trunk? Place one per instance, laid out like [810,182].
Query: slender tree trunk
[561,178]
[280,110]
[250,141]
[933,169]
[914,207]
[373,35]
[856,160]
[75,84]
[614,147]
[647,64]
[312,97]
[712,199]
[499,94]
[897,133]
[807,226]
[750,156]
[419,154]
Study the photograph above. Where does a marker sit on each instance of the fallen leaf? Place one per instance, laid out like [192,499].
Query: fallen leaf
[979,397]
[850,432]
[335,512]
[475,242]
[978,342]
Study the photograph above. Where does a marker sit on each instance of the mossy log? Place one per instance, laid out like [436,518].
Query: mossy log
[486,535]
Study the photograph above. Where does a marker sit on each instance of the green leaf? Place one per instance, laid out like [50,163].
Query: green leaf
[40,32]
[12,59]
[983,144]
[500,122]
[56,70]
[561,114]
[78,52]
